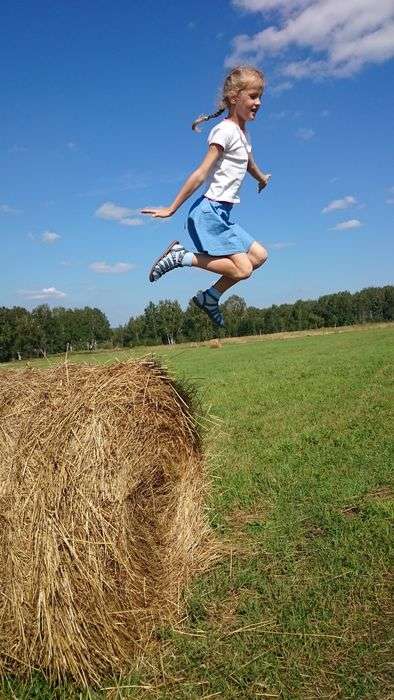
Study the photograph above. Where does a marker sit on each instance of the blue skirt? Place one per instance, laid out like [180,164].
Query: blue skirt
[209,226]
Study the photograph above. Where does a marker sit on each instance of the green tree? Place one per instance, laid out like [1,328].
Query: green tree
[45,326]
[169,321]
[196,325]
[233,310]
[25,339]
[388,303]
[6,334]
[151,330]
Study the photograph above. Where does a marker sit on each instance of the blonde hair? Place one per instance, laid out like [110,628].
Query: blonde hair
[238,79]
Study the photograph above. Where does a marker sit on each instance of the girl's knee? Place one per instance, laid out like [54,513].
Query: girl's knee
[263,255]
[258,255]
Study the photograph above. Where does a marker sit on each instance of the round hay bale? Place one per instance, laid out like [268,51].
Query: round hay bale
[102,520]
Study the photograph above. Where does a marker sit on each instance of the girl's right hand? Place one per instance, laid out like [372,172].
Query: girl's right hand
[162,212]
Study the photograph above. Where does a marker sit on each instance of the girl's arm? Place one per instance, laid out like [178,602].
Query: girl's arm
[258,174]
[191,185]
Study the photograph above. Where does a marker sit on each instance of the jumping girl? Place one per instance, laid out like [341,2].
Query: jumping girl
[222,246]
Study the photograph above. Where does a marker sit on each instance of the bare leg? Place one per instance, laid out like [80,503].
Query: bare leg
[257,255]
[234,267]
[224,283]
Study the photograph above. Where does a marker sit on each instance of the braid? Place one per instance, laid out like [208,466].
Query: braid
[205,117]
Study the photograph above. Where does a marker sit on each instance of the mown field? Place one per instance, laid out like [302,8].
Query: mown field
[299,452]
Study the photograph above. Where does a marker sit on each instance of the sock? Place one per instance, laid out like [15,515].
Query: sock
[214,292]
[187,259]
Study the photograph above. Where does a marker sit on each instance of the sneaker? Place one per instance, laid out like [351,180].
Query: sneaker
[206,302]
[170,259]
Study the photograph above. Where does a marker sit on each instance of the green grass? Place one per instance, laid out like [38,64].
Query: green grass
[300,456]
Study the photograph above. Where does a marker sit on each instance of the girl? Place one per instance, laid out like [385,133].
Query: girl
[222,246]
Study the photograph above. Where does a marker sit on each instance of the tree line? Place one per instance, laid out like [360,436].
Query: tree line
[44,331]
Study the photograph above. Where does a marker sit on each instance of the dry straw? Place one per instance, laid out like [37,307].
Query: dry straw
[102,520]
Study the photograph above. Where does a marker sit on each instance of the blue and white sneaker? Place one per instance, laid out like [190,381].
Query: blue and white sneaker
[170,259]
[207,302]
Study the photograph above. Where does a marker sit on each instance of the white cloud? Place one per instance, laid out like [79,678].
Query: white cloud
[113,212]
[281,87]
[6,209]
[304,69]
[43,294]
[305,134]
[343,203]
[49,237]
[345,225]
[104,268]
[342,35]
[262,5]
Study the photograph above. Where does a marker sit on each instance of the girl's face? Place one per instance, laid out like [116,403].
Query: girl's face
[246,104]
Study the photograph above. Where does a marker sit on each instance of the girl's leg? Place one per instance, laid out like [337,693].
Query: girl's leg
[244,263]
[232,268]
[236,267]
[257,255]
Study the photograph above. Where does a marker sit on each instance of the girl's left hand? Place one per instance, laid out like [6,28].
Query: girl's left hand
[162,212]
[263,183]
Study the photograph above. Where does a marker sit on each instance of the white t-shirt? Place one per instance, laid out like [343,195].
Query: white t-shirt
[225,178]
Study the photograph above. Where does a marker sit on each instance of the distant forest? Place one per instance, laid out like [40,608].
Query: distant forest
[43,331]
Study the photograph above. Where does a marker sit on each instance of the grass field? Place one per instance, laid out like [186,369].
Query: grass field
[299,451]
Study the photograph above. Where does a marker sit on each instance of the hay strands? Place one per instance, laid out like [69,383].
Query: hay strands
[102,495]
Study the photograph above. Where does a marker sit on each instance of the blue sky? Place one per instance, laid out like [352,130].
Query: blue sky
[95,123]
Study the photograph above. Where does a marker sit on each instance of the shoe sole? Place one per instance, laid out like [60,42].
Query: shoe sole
[167,250]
